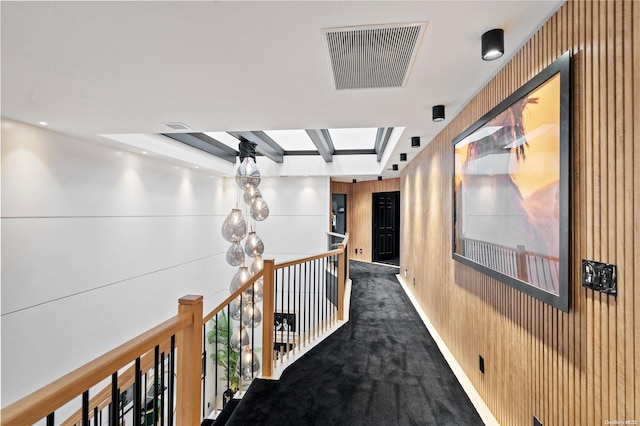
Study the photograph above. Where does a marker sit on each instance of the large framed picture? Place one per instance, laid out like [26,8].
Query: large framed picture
[511,188]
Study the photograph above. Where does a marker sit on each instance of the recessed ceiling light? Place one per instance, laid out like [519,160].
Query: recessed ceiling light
[196,167]
[44,123]
[144,152]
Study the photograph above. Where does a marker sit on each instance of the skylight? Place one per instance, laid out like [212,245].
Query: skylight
[292,140]
[363,138]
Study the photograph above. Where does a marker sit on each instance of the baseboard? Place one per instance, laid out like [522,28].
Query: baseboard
[477,401]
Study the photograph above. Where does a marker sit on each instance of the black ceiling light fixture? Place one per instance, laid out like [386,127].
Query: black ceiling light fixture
[492,44]
[403,156]
[415,141]
[354,181]
[379,178]
[437,113]
[395,167]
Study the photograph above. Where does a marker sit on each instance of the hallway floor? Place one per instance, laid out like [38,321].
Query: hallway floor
[381,368]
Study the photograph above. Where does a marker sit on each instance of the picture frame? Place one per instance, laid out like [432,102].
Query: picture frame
[511,177]
[285,325]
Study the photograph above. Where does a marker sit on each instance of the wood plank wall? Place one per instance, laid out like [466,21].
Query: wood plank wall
[359,212]
[580,368]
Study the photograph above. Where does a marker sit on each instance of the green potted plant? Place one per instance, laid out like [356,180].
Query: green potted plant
[224,355]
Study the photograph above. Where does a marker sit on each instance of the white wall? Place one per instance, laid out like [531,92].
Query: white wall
[98,245]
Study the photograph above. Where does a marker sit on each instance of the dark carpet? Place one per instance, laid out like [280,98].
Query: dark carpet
[381,368]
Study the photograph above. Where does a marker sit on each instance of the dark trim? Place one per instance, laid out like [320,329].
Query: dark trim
[354,152]
[382,138]
[205,143]
[322,140]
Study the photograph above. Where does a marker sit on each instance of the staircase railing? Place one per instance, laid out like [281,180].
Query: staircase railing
[161,376]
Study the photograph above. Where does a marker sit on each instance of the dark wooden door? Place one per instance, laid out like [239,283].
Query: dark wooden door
[386,224]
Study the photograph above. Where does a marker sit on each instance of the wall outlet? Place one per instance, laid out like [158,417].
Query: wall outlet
[414,280]
[360,251]
[481,363]
[406,271]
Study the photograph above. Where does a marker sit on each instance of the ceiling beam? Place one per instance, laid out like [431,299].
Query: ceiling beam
[265,145]
[322,140]
[382,137]
[205,143]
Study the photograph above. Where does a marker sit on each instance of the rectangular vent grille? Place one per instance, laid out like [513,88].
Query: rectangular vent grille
[372,56]
[177,126]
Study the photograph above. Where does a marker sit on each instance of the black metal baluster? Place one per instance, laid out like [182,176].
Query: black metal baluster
[115,400]
[95,416]
[298,319]
[229,372]
[253,325]
[203,379]
[288,309]
[172,381]
[306,297]
[215,366]
[137,395]
[156,357]
[85,408]
[295,308]
[162,401]
[313,310]
[50,419]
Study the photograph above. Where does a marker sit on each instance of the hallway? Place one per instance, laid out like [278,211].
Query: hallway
[381,368]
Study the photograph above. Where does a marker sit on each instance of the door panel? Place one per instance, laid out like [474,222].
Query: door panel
[386,216]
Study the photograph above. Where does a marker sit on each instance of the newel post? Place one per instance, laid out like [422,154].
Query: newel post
[341,281]
[189,370]
[268,307]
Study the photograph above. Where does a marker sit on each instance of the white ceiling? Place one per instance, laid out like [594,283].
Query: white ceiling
[124,68]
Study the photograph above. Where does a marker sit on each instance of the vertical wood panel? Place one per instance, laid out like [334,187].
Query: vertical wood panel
[567,369]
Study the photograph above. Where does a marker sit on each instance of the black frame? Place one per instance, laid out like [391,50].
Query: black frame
[560,300]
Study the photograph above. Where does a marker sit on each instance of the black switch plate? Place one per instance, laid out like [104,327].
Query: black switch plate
[599,276]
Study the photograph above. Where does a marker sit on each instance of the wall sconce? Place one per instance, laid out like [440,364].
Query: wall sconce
[438,113]
[415,141]
[394,167]
[379,178]
[403,156]
[492,44]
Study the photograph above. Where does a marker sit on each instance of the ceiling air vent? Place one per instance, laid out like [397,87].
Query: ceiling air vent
[177,126]
[372,56]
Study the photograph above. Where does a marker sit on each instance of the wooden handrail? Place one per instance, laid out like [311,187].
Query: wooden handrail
[125,379]
[47,399]
[234,295]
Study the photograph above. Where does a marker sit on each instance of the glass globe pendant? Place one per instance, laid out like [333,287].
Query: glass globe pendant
[256,265]
[248,365]
[242,276]
[235,308]
[259,209]
[250,192]
[254,293]
[235,254]
[253,245]
[247,173]
[234,228]
[239,338]
[251,315]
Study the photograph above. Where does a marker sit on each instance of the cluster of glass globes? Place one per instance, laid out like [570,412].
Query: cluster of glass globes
[234,230]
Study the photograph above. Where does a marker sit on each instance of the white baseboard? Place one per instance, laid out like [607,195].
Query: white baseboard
[477,401]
